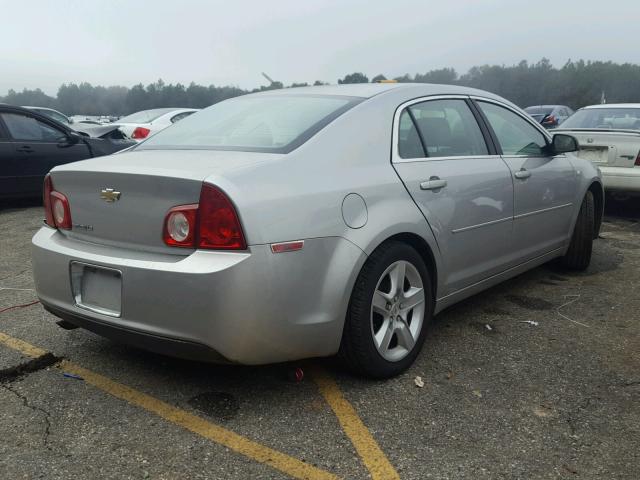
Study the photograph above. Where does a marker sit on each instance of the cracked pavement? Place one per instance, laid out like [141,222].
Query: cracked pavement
[536,378]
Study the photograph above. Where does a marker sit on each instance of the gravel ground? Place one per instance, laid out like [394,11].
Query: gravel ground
[536,378]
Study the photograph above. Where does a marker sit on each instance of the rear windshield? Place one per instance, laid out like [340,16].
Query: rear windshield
[608,118]
[261,123]
[145,116]
[539,110]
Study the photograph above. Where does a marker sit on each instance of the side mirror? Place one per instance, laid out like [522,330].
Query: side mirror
[564,143]
[70,139]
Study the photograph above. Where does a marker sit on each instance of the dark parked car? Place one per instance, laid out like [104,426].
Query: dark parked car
[31,144]
[549,116]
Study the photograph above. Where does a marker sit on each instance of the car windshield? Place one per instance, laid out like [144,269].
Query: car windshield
[607,118]
[263,123]
[145,116]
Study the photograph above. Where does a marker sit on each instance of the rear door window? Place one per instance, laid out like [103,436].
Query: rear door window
[515,134]
[25,128]
[448,128]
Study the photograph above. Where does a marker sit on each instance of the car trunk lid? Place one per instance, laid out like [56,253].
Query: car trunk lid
[122,199]
[612,148]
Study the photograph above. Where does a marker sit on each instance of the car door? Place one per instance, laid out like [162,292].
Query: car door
[544,185]
[8,165]
[460,184]
[38,146]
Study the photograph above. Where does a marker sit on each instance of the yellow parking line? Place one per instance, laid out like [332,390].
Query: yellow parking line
[22,347]
[368,449]
[260,453]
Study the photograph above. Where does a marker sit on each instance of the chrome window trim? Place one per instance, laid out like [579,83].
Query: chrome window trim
[395,153]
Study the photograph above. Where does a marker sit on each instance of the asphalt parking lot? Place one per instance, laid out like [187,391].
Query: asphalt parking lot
[537,378]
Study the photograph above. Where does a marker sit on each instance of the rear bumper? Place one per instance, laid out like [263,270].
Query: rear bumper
[621,178]
[251,307]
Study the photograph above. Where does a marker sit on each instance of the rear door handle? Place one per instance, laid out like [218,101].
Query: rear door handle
[522,174]
[434,183]
[25,149]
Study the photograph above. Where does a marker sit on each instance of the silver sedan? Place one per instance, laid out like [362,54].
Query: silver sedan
[311,222]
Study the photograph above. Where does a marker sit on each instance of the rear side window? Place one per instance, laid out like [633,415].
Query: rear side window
[446,127]
[261,123]
[515,134]
[22,127]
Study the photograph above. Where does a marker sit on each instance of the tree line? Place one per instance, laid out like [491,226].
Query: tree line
[575,84]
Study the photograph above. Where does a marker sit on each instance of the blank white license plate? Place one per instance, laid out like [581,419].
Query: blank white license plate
[98,289]
[595,155]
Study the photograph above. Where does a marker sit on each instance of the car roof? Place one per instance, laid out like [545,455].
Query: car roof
[369,90]
[546,106]
[614,105]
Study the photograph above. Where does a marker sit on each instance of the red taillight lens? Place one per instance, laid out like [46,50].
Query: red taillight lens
[549,119]
[56,206]
[140,132]
[60,210]
[46,201]
[219,223]
[637,164]
[180,226]
[211,224]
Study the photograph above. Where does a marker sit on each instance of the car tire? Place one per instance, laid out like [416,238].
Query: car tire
[578,255]
[378,330]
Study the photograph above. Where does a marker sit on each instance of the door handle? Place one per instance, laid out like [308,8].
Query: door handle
[25,149]
[434,183]
[522,174]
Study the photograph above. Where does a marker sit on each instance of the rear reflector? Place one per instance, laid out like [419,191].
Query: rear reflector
[287,246]
[140,133]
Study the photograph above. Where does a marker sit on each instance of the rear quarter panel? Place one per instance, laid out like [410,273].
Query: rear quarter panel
[300,195]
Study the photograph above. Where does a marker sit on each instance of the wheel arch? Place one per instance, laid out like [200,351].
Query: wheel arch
[421,246]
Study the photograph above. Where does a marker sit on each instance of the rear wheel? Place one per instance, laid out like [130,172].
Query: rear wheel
[578,256]
[389,310]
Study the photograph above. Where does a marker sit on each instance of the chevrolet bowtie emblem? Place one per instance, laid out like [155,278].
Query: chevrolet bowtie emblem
[109,195]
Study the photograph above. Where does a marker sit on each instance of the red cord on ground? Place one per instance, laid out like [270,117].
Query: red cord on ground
[24,305]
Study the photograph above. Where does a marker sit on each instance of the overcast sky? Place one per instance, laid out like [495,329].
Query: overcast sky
[45,43]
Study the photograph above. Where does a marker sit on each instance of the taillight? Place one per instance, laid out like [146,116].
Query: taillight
[180,226]
[549,119]
[637,164]
[219,223]
[46,201]
[56,206]
[212,223]
[140,132]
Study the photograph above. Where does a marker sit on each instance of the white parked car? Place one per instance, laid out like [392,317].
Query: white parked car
[140,125]
[609,136]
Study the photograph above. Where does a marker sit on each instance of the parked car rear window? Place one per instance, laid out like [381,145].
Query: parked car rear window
[538,110]
[269,123]
[609,118]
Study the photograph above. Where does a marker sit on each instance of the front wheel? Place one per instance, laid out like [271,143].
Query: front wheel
[578,255]
[389,310]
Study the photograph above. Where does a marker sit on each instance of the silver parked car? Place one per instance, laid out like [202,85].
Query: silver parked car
[313,221]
